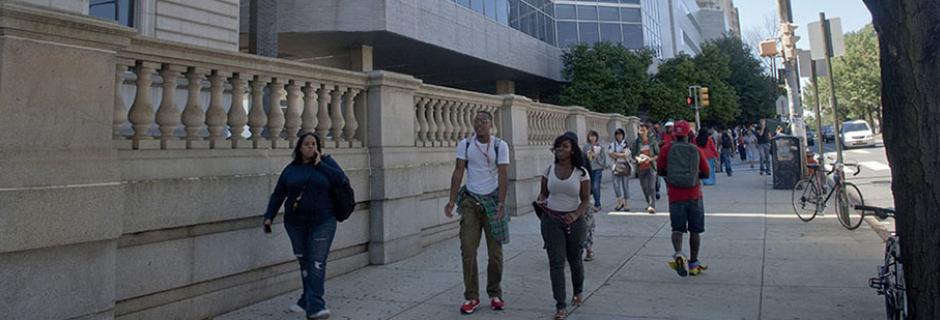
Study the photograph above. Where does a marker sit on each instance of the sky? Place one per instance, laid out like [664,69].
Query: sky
[853,13]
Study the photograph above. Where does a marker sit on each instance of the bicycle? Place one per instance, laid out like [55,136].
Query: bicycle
[808,200]
[890,280]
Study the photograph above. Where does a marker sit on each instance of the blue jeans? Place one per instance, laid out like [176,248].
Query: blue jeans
[726,160]
[765,157]
[596,177]
[311,247]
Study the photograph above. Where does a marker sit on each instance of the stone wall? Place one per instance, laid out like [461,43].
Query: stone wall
[135,170]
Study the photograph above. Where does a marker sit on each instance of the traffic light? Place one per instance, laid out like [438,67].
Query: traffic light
[703,97]
[689,101]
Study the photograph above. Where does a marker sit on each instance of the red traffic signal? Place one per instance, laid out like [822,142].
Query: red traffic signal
[689,101]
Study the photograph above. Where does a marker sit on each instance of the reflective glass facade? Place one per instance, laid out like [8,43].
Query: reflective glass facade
[631,23]
[121,11]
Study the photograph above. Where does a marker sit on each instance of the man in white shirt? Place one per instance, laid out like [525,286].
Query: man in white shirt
[486,161]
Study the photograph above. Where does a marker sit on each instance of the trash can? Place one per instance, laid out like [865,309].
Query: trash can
[786,162]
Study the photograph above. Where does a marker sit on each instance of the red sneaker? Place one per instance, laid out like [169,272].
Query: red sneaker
[497,303]
[470,306]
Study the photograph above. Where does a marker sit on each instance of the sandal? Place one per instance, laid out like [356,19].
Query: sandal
[561,314]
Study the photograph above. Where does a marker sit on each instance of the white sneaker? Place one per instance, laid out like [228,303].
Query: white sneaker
[296,308]
[323,314]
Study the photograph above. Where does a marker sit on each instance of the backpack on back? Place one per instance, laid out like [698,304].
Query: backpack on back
[682,165]
[726,141]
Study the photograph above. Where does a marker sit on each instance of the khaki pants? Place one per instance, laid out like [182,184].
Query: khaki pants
[473,222]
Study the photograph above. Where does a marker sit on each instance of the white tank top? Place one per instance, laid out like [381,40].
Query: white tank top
[564,195]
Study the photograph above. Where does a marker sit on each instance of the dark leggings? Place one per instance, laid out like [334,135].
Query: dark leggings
[560,247]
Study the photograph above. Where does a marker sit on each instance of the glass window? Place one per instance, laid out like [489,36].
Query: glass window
[608,1]
[502,11]
[608,14]
[514,14]
[633,36]
[567,34]
[550,32]
[610,32]
[121,11]
[539,26]
[465,3]
[630,1]
[587,13]
[565,11]
[477,5]
[489,6]
[588,32]
[630,15]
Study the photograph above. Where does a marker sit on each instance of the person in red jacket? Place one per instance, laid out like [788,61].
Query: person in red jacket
[686,208]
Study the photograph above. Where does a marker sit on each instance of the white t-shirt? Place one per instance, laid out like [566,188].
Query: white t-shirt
[482,173]
[620,147]
[564,195]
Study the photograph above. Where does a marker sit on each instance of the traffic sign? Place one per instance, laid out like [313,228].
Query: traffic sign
[817,40]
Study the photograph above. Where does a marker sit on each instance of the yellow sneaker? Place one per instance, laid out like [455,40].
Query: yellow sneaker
[696,268]
[678,264]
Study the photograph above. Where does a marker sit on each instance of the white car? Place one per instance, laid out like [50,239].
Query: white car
[857,133]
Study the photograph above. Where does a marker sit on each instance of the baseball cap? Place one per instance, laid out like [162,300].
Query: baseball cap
[668,124]
[681,128]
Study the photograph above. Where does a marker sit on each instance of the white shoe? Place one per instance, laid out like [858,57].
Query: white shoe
[323,314]
[296,308]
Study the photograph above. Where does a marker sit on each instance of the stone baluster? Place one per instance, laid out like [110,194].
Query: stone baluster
[336,115]
[323,114]
[422,123]
[295,109]
[352,124]
[460,110]
[215,114]
[439,122]
[275,113]
[472,115]
[432,124]
[237,116]
[311,105]
[257,119]
[119,114]
[193,115]
[168,115]
[141,113]
[493,111]
[446,116]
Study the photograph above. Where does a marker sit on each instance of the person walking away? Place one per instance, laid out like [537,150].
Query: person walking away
[763,142]
[619,151]
[597,157]
[480,204]
[562,204]
[742,146]
[727,151]
[715,135]
[309,217]
[683,165]
[662,140]
[753,148]
[646,150]
[704,141]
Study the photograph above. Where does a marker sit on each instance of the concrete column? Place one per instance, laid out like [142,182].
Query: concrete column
[514,129]
[395,221]
[577,123]
[61,202]
[360,58]
[262,27]
[505,87]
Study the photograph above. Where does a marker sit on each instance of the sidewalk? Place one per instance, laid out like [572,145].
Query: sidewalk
[764,264]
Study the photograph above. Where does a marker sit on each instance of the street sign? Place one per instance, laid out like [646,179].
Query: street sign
[806,66]
[817,41]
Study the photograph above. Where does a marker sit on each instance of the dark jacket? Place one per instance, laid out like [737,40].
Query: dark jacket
[315,182]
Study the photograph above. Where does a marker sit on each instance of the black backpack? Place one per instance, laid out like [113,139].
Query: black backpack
[726,141]
[682,165]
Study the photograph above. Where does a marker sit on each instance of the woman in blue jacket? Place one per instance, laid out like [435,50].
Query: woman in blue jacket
[308,217]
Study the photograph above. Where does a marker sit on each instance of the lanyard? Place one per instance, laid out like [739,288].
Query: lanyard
[486,154]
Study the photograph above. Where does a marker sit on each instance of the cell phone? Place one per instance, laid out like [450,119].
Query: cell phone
[267,229]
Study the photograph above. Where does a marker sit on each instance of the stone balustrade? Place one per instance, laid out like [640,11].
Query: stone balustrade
[185,97]
[444,116]
[546,122]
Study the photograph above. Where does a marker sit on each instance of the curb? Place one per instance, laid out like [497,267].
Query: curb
[873,222]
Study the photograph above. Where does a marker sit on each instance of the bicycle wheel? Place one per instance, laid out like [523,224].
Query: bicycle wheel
[805,197]
[846,200]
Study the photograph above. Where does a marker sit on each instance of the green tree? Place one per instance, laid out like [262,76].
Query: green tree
[605,77]
[666,98]
[756,91]
[714,70]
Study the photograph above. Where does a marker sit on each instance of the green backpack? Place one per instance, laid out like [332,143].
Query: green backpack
[682,165]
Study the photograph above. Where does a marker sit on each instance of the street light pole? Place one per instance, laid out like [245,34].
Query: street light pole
[789,39]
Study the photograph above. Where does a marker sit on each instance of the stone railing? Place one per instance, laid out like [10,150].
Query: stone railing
[183,97]
[444,116]
[546,122]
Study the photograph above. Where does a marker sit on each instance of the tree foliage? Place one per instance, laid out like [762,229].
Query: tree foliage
[605,77]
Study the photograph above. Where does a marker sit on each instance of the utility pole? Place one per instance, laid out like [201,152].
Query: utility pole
[819,133]
[836,124]
[789,39]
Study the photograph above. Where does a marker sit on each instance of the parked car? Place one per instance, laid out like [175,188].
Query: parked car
[810,137]
[857,133]
[829,135]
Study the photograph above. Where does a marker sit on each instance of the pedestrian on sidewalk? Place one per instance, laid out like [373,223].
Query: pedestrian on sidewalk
[727,151]
[753,149]
[309,218]
[742,145]
[597,157]
[683,165]
[763,142]
[715,134]
[562,204]
[704,142]
[480,204]
[620,152]
[662,140]
[646,150]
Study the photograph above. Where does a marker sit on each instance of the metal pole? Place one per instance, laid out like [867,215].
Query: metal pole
[836,125]
[819,133]
[793,86]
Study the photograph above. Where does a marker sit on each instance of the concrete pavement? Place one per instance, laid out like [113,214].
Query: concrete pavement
[764,264]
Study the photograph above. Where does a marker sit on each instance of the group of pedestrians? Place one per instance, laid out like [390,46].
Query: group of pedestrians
[563,205]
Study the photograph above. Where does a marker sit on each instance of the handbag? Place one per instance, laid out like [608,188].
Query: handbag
[623,169]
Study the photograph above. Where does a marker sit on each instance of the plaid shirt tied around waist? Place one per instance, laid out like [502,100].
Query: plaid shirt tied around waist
[499,227]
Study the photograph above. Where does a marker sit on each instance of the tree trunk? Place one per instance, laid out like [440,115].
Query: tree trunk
[910,54]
